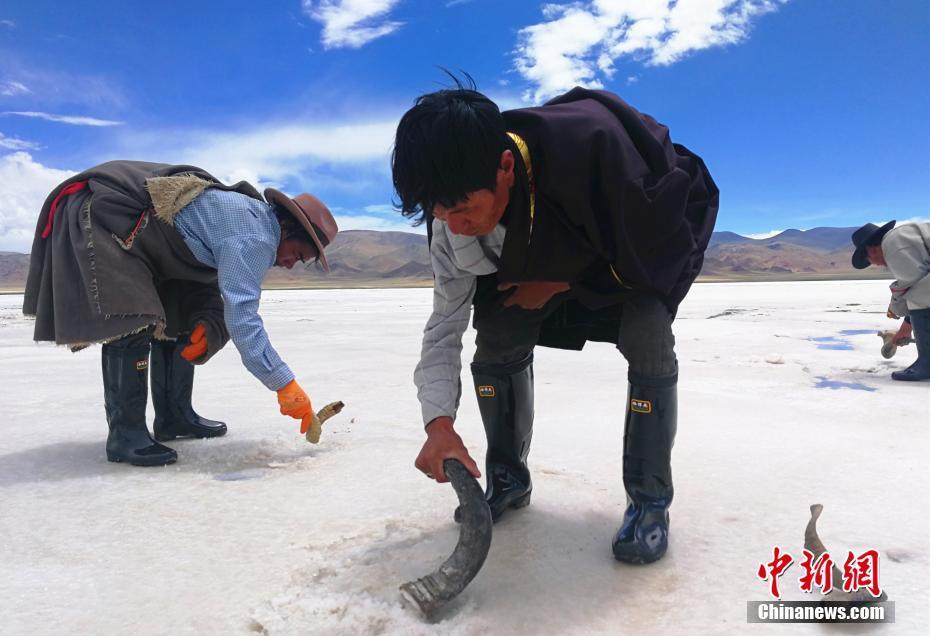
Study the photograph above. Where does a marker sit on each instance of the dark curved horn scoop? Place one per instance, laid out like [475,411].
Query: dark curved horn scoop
[431,592]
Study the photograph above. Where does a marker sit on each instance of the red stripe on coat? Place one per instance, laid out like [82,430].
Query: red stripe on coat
[71,188]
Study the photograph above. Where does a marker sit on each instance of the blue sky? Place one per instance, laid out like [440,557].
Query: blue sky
[807,112]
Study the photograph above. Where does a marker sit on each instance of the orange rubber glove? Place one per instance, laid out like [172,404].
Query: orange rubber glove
[198,345]
[296,403]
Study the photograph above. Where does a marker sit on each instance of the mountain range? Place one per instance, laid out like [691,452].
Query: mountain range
[821,252]
[367,258]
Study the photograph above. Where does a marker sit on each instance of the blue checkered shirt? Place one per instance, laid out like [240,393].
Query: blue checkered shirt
[238,236]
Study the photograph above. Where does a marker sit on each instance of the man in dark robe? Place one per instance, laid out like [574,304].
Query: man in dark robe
[155,258]
[578,220]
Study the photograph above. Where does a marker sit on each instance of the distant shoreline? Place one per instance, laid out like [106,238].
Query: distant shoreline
[423,283]
[756,277]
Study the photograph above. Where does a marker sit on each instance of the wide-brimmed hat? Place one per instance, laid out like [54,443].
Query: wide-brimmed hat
[312,214]
[868,234]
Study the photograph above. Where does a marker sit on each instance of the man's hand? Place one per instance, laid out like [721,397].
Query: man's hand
[532,294]
[198,344]
[294,402]
[443,443]
[904,334]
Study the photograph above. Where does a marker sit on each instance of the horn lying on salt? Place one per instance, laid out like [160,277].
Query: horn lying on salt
[813,543]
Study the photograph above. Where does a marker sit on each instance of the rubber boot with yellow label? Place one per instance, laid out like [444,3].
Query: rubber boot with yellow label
[649,432]
[505,399]
[125,392]
[172,392]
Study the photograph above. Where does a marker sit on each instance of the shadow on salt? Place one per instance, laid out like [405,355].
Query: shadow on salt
[240,475]
[832,343]
[827,383]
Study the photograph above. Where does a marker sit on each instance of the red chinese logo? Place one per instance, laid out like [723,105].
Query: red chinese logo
[862,572]
[859,572]
[775,568]
[819,572]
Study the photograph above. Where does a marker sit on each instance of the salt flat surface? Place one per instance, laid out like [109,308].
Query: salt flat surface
[261,532]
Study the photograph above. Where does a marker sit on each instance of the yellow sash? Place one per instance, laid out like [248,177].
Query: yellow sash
[525,154]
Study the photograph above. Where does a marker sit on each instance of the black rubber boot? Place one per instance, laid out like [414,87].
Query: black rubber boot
[505,399]
[172,389]
[649,432]
[125,372]
[920,370]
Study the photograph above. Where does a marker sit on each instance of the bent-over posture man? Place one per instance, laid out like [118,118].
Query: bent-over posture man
[152,257]
[578,220]
[905,251]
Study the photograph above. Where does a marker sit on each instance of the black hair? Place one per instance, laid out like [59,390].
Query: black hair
[291,227]
[448,145]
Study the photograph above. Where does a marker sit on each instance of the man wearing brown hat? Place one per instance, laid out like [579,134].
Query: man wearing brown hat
[145,257]
[905,251]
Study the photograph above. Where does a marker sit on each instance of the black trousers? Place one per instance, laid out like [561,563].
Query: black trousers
[185,302]
[141,339]
[509,334]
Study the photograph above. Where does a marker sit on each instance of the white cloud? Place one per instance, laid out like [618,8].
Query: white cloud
[337,160]
[580,42]
[325,154]
[369,222]
[26,183]
[352,23]
[333,157]
[53,86]
[11,89]
[764,235]
[380,208]
[74,120]
[8,23]
[13,143]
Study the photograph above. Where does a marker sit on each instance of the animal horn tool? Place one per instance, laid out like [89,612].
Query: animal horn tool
[316,425]
[889,346]
[433,591]
[813,543]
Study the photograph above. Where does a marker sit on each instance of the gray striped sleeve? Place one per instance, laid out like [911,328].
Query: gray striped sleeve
[457,262]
